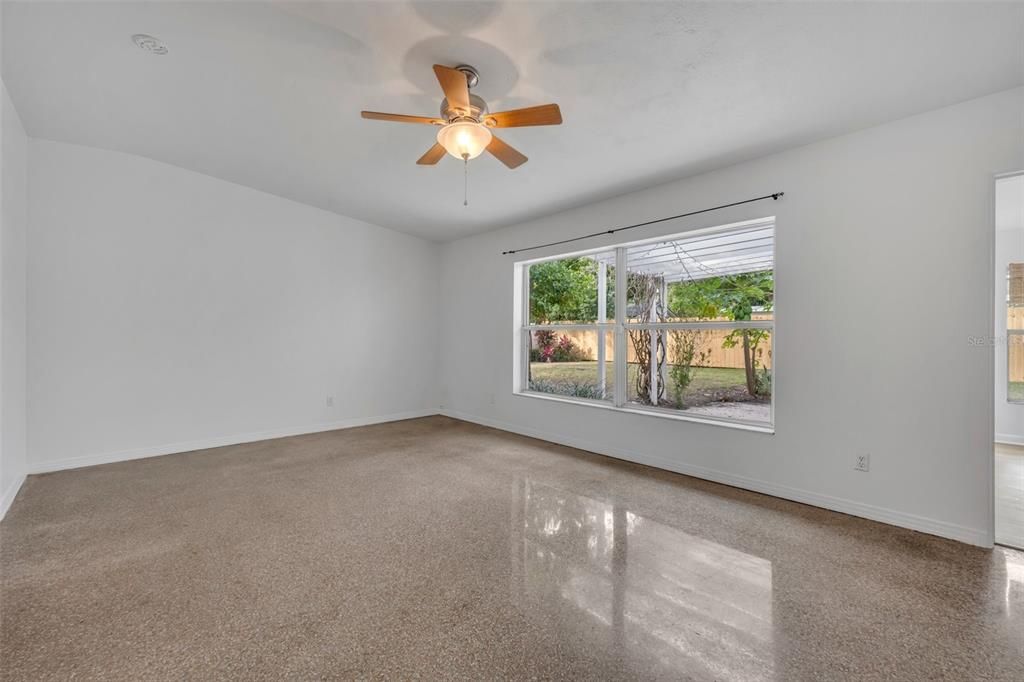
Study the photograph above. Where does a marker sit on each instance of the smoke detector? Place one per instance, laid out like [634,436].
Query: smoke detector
[149,43]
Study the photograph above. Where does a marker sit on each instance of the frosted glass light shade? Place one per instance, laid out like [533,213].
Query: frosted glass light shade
[464,139]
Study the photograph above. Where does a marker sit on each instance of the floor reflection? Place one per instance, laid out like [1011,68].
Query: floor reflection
[1014,562]
[678,601]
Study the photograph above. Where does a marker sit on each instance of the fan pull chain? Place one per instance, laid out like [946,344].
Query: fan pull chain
[465,179]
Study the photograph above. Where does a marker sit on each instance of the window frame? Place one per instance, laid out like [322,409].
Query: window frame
[620,327]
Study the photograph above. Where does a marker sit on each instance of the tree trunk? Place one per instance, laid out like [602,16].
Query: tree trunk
[748,365]
[529,359]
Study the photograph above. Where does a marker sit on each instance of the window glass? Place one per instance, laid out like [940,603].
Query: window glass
[1015,332]
[567,290]
[719,373]
[696,330]
[568,363]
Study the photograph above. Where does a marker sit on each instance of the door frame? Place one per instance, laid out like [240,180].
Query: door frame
[994,348]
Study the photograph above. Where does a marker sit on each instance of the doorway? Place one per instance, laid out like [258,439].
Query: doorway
[1009,360]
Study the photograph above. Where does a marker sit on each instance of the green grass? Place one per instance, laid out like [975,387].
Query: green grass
[1015,392]
[576,373]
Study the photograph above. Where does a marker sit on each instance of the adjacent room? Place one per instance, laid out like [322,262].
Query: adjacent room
[511,340]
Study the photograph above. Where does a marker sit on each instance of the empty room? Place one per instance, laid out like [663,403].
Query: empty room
[511,340]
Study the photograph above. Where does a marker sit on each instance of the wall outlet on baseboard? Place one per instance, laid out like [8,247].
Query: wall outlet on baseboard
[862,463]
[330,401]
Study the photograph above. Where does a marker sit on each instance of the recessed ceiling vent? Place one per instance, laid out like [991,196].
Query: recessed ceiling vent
[149,43]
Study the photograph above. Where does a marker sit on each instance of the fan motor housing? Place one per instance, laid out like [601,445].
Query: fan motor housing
[477,105]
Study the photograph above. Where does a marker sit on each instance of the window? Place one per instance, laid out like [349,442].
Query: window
[681,326]
[569,338]
[1015,333]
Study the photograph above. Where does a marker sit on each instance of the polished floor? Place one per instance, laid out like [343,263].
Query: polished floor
[440,549]
[1010,495]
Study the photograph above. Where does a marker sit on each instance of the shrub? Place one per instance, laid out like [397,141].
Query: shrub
[764,382]
[552,348]
[546,338]
[575,389]
[684,358]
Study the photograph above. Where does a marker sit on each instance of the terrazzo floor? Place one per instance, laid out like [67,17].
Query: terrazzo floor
[437,549]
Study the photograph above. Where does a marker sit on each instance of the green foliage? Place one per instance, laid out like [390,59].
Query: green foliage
[684,356]
[733,296]
[566,291]
[575,389]
[1015,391]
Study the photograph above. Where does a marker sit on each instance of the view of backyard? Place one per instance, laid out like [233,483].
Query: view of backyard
[708,384]
[712,391]
[1015,340]
[696,361]
[574,378]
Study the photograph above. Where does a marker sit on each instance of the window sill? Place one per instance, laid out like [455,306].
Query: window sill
[650,412]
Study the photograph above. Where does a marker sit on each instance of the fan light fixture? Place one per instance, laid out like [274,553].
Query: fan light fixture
[464,139]
[466,122]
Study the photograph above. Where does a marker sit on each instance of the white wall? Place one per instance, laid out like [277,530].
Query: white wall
[884,275]
[14,217]
[1009,249]
[169,310]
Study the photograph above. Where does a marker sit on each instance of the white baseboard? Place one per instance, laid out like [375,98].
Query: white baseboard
[8,495]
[1009,439]
[971,536]
[203,444]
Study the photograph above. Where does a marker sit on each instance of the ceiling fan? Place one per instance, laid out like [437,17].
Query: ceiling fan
[466,123]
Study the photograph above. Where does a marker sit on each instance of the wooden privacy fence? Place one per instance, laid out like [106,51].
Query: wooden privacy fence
[1015,287]
[1015,317]
[717,356]
[710,343]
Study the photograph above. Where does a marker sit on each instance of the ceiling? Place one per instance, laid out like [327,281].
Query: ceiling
[268,94]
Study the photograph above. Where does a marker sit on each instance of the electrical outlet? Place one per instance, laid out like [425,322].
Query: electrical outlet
[330,401]
[863,463]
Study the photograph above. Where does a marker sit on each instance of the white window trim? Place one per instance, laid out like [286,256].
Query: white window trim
[620,327]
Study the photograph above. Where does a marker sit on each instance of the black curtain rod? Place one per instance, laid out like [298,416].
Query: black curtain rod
[774,197]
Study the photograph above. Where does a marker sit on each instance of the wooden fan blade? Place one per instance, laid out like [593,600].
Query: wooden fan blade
[543,115]
[401,118]
[455,87]
[509,156]
[433,155]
